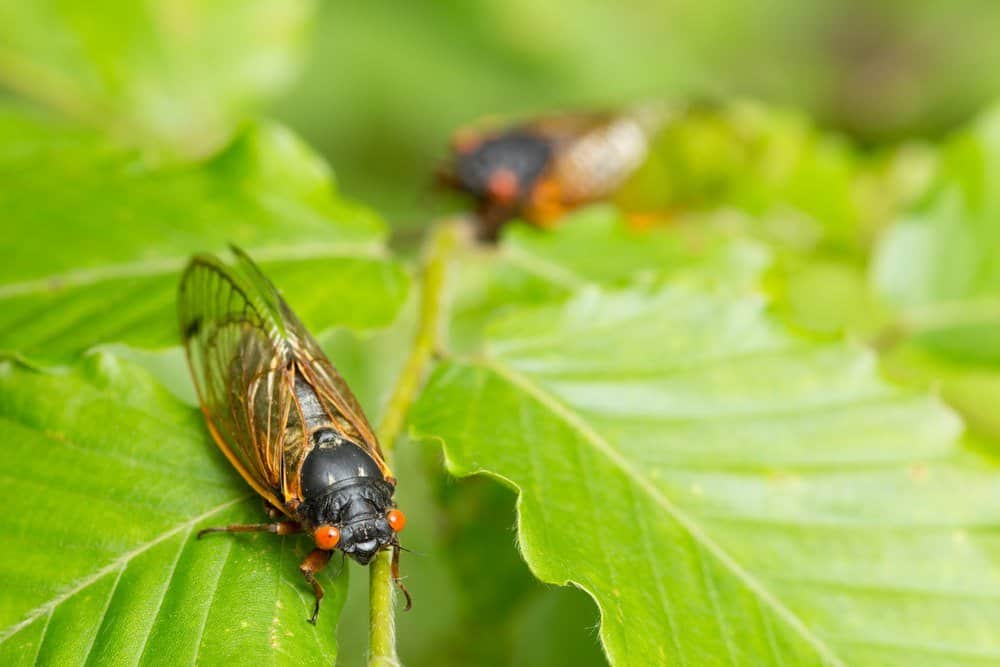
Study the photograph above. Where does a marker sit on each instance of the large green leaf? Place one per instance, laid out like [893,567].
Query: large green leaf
[940,265]
[596,246]
[728,493]
[972,389]
[108,478]
[179,75]
[94,237]
[591,247]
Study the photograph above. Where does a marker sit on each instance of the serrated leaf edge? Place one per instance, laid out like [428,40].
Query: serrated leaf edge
[574,421]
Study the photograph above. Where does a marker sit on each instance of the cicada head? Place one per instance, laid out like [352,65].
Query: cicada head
[347,499]
[357,519]
[499,169]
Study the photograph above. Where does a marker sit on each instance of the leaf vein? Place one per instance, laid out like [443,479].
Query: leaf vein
[215,589]
[594,502]
[658,576]
[170,265]
[769,631]
[41,637]
[104,615]
[713,595]
[549,271]
[166,589]
[604,447]
[119,562]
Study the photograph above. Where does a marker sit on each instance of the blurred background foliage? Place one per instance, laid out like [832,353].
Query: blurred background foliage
[183,74]
[385,83]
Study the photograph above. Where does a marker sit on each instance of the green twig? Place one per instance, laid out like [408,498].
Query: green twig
[381,622]
[440,248]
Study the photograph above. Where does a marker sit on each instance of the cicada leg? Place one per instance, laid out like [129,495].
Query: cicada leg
[398,580]
[312,565]
[491,218]
[278,528]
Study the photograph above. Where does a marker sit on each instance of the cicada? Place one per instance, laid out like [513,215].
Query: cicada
[285,418]
[543,167]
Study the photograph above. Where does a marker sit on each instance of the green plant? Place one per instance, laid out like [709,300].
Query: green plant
[687,423]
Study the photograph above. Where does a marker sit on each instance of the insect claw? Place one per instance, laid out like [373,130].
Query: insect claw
[406,594]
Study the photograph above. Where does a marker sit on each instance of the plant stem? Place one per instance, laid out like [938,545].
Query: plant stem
[433,286]
[381,622]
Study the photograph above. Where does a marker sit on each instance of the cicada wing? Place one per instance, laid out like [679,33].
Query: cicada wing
[595,161]
[243,371]
[565,128]
[342,407]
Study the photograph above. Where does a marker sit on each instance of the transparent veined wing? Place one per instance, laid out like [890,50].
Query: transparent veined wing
[600,155]
[340,403]
[243,370]
[342,407]
[246,348]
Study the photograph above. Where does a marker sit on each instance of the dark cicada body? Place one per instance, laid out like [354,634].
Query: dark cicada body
[540,169]
[284,417]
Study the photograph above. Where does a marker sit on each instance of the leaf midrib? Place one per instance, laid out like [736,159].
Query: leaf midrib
[169,265]
[119,563]
[545,269]
[602,446]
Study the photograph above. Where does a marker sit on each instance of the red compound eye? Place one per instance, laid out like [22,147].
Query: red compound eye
[327,537]
[503,185]
[396,519]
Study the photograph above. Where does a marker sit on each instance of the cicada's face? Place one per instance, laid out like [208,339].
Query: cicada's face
[501,169]
[364,534]
[363,539]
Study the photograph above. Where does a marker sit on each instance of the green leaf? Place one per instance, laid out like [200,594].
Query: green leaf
[179,76]
[972,389]
[108,480]
[763,160]
[96,237]
[594,247]
[728,493]
[940,265]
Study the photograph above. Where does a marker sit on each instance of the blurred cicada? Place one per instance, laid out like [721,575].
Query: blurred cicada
[541,168]
[285,418]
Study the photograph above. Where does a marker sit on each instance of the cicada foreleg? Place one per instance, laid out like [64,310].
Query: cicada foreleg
[312,565]
[278,528]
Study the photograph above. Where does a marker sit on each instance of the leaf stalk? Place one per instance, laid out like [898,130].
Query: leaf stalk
[438,255]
